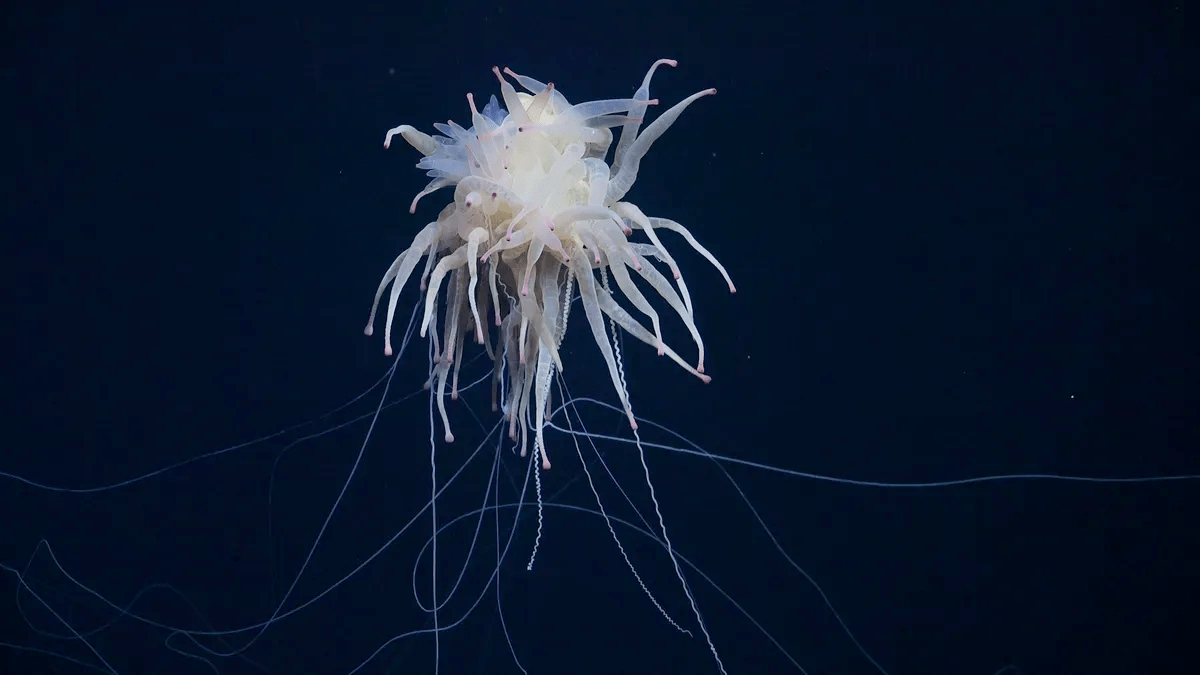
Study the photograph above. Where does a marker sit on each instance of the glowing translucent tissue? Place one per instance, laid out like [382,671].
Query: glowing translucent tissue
[538,208]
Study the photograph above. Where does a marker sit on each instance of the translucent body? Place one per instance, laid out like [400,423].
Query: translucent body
[538,208]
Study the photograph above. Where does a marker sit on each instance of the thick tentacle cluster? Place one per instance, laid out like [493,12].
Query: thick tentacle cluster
[537,210]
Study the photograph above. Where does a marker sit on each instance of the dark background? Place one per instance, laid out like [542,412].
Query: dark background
[964,243]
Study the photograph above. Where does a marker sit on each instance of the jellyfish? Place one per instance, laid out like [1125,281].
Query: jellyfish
[539,209]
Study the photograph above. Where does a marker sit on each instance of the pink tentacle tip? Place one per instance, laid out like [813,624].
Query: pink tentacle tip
[545,464]
[387,350]
[449,437]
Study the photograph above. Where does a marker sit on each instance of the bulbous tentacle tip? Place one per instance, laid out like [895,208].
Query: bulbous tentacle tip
[449,437]
[369,330]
